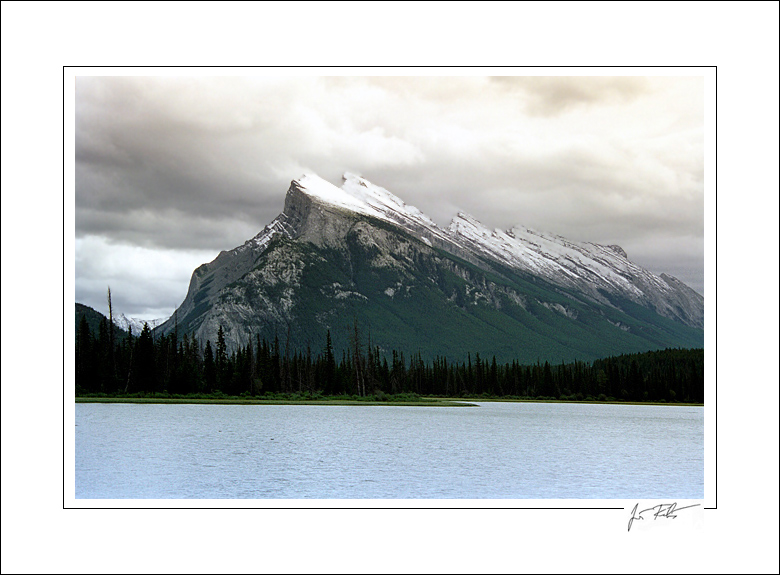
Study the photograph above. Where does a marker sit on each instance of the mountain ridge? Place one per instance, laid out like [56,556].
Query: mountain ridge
[256,286]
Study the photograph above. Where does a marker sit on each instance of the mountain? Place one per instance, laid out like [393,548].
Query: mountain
[128,323]
[357,254]
[94,319]
[122,322]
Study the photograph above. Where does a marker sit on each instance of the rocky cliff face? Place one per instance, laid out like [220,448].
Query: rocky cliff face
[358,253]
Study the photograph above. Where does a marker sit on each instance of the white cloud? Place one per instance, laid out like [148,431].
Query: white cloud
[144,282]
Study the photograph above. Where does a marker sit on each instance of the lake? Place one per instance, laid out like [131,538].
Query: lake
[493,451]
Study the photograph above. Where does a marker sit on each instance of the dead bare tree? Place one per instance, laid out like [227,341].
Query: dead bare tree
[112,362]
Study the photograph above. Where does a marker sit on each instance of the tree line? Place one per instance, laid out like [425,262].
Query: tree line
[181,365]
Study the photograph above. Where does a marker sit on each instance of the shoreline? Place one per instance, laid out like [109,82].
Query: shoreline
[431,402]
[241,401]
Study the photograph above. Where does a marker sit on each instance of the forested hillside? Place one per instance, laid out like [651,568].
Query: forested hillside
[181,365]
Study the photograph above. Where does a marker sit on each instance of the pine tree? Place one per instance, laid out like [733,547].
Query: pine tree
[209,369]
[102,360]
[330,366]
[85,380]
[276,367]
[222,365]
[493,387]
[145,372]
[358,362]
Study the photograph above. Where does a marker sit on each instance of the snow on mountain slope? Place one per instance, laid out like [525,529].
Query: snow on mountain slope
[380,200]
[262,239]
[320,214]
[324,191]
[585,266]
[126,323]
[361,196]
[550,256]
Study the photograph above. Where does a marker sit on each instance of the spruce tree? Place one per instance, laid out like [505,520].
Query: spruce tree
[223,375]
[145,372]
[84,358]
[209,370]
[330,367]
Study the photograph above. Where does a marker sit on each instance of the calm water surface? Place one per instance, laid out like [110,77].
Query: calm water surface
[494,451]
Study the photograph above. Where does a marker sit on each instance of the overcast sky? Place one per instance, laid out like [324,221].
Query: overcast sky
[172,170]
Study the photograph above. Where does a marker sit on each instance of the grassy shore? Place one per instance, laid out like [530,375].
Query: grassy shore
[427,402]
[584,402]
[294,399]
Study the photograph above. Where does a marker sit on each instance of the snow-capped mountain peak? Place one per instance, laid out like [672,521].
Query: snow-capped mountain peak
[380,199]
[325,192]
[467,225]
[358,245]
[589,267]
[359,195]
[136,324]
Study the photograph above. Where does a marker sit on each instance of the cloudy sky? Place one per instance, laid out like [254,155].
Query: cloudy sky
[171,170]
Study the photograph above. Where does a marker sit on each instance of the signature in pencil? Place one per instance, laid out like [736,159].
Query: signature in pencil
[660,511]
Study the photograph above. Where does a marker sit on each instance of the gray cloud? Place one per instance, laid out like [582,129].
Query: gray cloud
[144,282]
[552,95]
[203,163]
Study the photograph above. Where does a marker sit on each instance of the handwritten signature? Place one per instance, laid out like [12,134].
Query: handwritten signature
[662,510]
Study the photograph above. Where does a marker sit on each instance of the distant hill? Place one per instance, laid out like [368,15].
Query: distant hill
[94,318]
